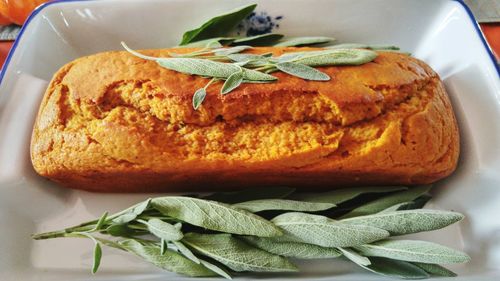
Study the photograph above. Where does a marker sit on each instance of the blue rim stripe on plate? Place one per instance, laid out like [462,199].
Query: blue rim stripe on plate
[45,5]
[38,9]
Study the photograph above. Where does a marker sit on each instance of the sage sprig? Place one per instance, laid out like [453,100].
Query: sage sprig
[201,237]
[213,37]
[224,218]
[236,254]
[234,68]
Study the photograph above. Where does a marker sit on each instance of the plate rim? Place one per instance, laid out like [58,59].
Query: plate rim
[40,8]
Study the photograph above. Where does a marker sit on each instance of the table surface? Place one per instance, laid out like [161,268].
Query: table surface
[490,30]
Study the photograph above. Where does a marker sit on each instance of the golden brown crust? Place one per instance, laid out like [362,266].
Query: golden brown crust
[112,122]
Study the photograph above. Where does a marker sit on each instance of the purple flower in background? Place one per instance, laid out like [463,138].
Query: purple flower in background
[258,23]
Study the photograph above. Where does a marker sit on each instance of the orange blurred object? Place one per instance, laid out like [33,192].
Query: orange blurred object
[492,33]
[17,11]
[4,10]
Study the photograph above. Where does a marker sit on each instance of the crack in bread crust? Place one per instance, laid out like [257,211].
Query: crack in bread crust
[387,130]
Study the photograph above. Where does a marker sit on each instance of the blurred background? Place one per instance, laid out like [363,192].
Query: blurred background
[13,14]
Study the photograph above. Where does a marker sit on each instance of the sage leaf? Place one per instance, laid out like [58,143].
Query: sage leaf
[249,60]
[409,221]
[418,203]
[267,39]
[101,222]
[413,251]
[292,249]
[210,43]
[120,230]
[131,213]
[287,57]
[170,260]
[336,57]
[202,67]
[257,76]
[185,251]
[349,46]
[215,216]
[245,57]
[282,204]
[208,68]
[364,46]
[232,82]
[217,26]
[395,269]
[235,254]
[383,47]
[355,257]
[302,71]
[163,230]
[388,201]
[322,231]
[141,207]
[97,257]
[342,195]
[163,246]
[304,41]
[125,218]
[250,194]
[231,50]
[395,207]
[435,269]
[216,269]
[198,98]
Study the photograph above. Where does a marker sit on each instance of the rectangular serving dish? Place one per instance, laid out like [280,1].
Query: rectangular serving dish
[441,32]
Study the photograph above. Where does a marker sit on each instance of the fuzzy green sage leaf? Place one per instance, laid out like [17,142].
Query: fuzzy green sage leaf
[163,230]
[215,216]
[267,39]
[408,221]
[302,71]
[292,249]
[435,269]
[413,251]
[217,26]
[395,269]
[199,97]
[304,41]
[235,254]
[336,57]
[355,257]
[325,232]
[216,269]
[338,196]
[97,257]
[186,252]
[282,204]
[232,82]
[170,260]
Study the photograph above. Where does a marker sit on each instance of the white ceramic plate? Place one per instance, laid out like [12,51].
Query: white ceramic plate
[441,32]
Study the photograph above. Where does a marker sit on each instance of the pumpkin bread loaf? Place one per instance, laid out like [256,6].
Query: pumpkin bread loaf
[112,122]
